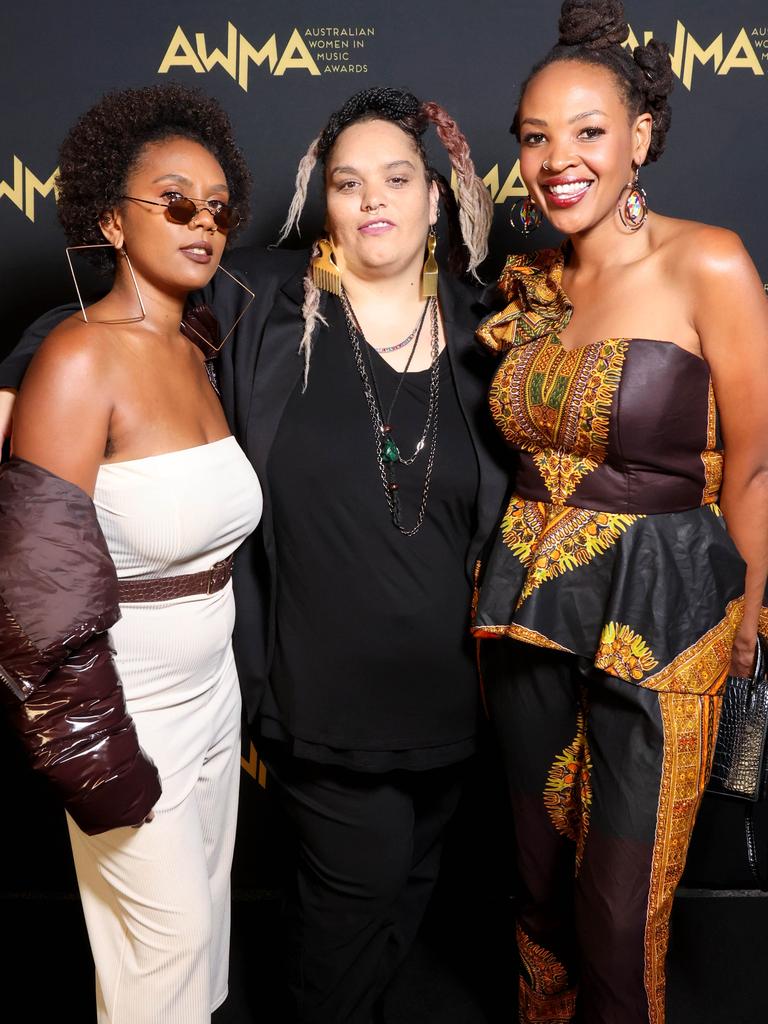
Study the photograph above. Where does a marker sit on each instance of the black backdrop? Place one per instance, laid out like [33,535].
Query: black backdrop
[279,69]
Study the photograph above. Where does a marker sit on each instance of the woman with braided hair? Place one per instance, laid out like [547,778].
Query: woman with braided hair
[378,465]
[612,604]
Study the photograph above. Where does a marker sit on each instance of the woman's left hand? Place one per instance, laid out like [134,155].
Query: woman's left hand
[734,343]
[743,655]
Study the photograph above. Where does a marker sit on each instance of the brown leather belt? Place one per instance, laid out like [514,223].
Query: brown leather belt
[169,587]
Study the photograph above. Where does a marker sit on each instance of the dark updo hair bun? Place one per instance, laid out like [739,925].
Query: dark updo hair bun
[593,25]
[655,63]
[592,32]
[656,66]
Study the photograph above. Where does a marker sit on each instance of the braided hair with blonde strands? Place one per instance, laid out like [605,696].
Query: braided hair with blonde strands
[475,203]
[469,219]
[306,166]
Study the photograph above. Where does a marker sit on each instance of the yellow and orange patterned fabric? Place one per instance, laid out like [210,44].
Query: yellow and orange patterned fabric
[612,546]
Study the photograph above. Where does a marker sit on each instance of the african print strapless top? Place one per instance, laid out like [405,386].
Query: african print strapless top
[612,546]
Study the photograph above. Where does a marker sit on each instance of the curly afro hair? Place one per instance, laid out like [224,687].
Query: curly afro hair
[102,148]
[592,31]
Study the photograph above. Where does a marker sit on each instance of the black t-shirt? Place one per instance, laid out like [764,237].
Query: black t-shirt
[373,667]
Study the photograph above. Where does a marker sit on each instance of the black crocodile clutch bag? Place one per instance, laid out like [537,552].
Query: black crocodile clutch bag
[740,765]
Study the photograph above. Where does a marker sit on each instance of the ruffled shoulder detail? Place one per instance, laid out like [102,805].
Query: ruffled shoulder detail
[537,305]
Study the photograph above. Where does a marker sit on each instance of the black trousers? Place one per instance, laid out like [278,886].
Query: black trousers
[368,855]
[605,780]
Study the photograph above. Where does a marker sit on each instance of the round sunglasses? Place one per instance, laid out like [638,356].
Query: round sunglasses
[183,209]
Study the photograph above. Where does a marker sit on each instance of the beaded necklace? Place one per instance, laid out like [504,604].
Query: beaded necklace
[406,341]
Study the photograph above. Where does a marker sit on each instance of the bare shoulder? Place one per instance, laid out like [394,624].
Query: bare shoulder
[703,254]
[710,269]
[65,403]
[73,353]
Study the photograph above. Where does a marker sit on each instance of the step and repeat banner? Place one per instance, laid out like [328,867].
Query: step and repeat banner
[280,69]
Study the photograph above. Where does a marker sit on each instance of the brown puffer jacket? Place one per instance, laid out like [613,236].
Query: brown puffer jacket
[58,598]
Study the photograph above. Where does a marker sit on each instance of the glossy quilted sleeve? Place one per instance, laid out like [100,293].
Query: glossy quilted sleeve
[58,597]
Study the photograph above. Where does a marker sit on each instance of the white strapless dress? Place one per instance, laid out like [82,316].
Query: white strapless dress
[156,899]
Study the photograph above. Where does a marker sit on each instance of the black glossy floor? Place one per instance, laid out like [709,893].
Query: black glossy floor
[460,972]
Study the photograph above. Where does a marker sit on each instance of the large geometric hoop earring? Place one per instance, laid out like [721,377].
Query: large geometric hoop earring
[103,245]
[431,271]
[633,207]
[203,312]
[525,216]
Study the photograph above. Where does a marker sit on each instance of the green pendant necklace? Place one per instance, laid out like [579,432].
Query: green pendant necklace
[388,454]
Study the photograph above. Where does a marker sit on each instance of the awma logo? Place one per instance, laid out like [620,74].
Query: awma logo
[512,187]
[688,52]
[239,55]
[26,187]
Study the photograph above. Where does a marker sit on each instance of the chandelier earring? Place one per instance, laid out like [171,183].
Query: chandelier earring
[121,254]
[633,204]
[525,216]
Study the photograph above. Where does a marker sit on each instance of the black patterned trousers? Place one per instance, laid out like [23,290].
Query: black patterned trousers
[605,780]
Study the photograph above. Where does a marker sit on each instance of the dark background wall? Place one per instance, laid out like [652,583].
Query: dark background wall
[470,56]
[279,69]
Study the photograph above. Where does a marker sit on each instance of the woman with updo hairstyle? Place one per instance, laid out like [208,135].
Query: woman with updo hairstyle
[120,510]
[613,602]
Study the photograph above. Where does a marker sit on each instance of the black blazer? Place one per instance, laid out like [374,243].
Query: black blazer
[258,369]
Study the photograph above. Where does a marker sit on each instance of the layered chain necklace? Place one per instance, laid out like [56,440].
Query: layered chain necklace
[388,455]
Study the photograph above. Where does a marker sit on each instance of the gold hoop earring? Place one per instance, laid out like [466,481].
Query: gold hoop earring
[633,208]
[205,318]
[106,245]
[430,273]
[325,269]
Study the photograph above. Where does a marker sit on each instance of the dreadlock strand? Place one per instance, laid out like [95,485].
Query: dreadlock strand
[303,174]
[476,217]
[311,315]
[475,203]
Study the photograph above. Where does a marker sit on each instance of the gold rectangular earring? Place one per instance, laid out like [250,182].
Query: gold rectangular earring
[431,270]
[204,317]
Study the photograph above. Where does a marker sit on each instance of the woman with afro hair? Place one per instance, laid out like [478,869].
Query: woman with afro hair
[125,499]
[613,603]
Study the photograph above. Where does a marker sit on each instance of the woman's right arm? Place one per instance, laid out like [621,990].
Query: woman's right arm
[59,591]
[61,420]
[14,365]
